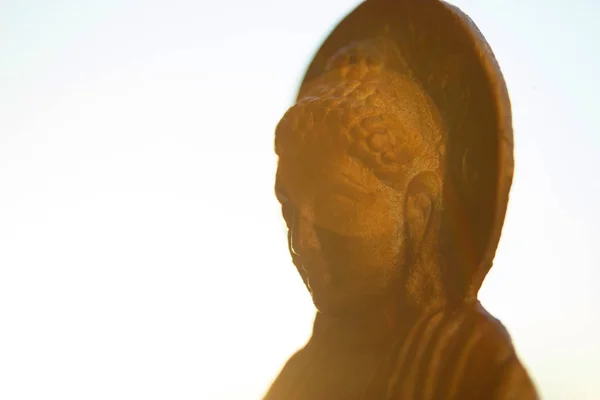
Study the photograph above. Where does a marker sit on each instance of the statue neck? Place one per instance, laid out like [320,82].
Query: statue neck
[419,294]
[371,328]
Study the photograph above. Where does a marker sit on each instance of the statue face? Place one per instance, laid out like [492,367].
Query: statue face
[345,229]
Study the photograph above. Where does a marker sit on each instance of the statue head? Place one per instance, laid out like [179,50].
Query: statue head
[396,161]
[360,178]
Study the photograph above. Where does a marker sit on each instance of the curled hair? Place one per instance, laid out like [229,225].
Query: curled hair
[368,105]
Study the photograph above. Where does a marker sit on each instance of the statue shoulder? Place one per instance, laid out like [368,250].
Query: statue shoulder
[289,376]
[513,382]
[459,354]
[489,363]
[507,377]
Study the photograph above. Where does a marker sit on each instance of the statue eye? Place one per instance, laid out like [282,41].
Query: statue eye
[333,241]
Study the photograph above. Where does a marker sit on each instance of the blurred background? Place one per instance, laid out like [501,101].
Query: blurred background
[142,253]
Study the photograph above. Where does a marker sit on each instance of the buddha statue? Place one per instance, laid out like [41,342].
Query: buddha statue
[394,169]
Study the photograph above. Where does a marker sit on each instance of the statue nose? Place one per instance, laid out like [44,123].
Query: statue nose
[304,239]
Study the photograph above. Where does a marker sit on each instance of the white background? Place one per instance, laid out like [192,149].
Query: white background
[142,254]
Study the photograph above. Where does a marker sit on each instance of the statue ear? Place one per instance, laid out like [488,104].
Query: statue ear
[421,196]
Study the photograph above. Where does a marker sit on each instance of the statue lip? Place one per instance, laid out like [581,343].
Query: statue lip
[319,282]
[318,274]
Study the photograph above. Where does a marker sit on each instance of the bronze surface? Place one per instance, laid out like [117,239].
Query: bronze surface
[394,171]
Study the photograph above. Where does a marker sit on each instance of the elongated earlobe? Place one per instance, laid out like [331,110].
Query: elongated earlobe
[421,196]
[418,216]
